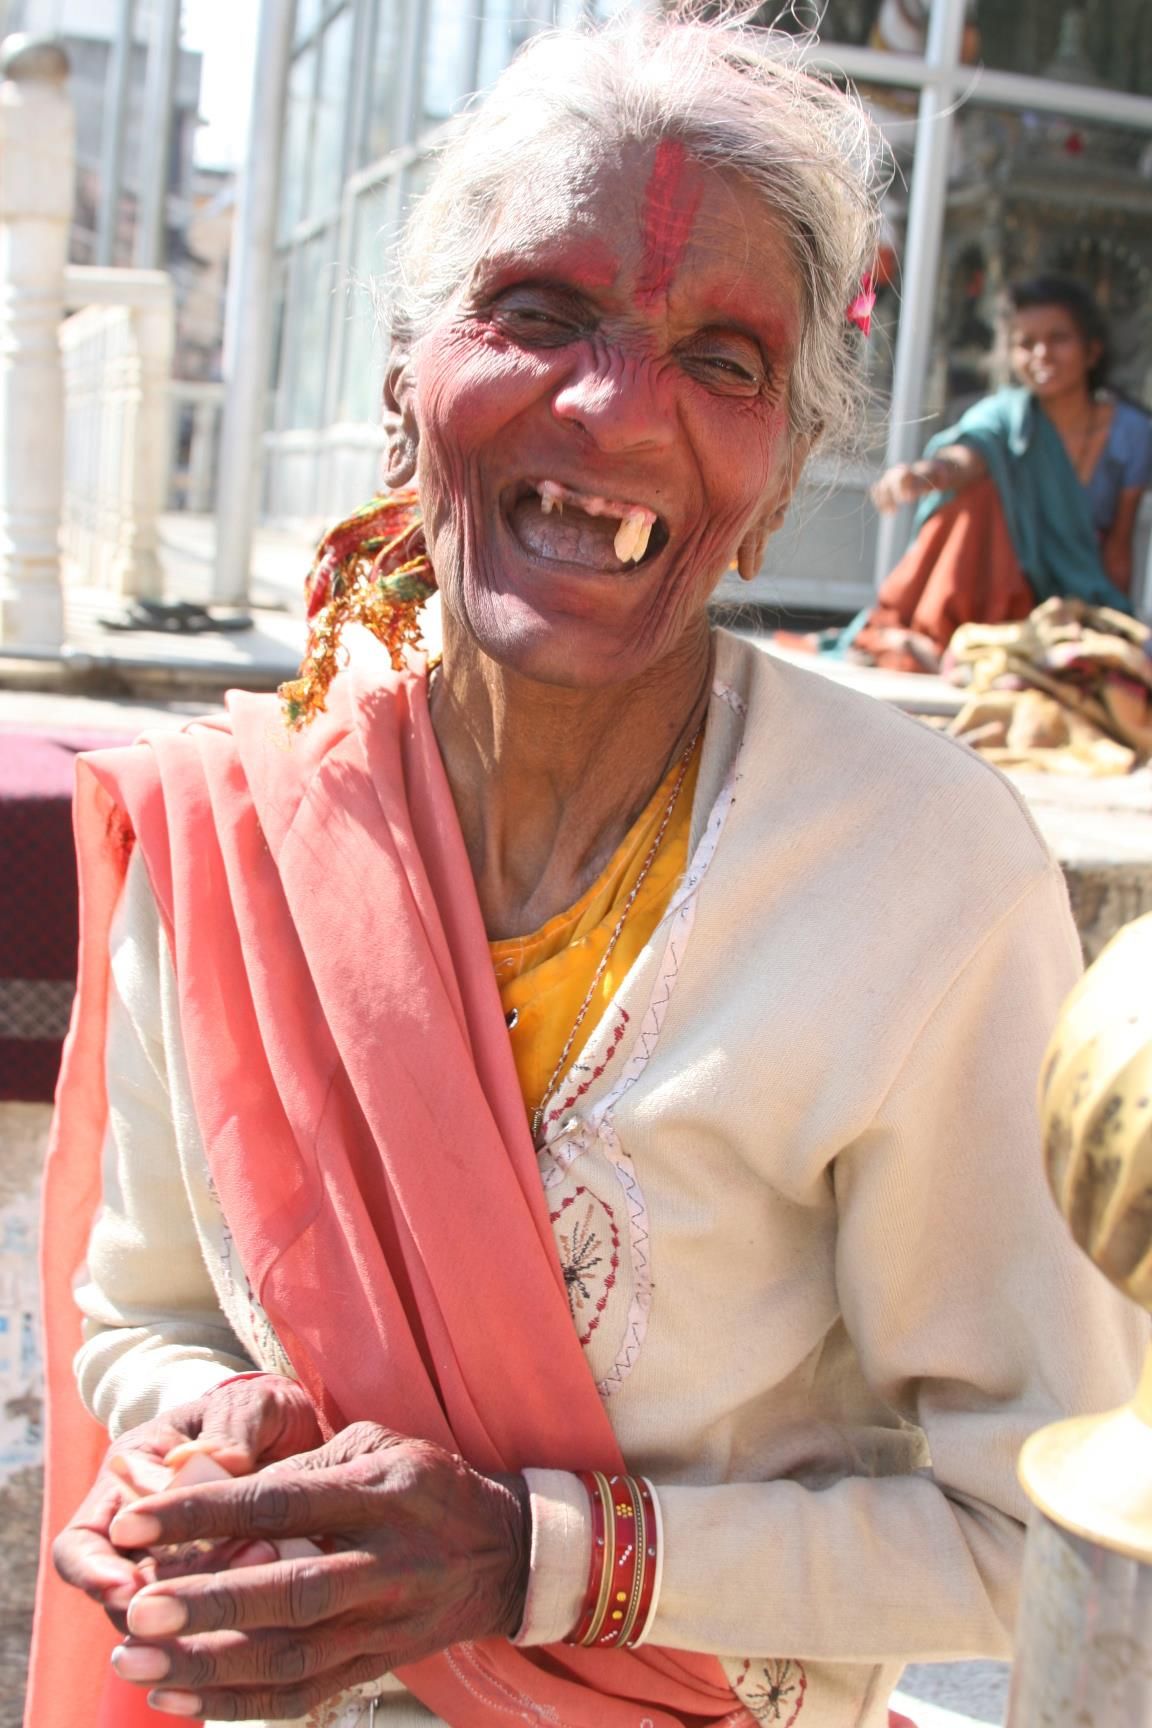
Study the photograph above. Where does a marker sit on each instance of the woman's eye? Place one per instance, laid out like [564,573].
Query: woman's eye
[542,325]
[734,368]
[735,374]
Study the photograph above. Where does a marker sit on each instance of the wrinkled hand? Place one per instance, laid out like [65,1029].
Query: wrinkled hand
[905,483]
[243,1424]
[420,1552]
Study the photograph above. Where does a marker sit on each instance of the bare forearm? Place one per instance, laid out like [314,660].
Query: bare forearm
[949,470]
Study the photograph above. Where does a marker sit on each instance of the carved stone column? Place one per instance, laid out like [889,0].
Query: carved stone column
[37,152]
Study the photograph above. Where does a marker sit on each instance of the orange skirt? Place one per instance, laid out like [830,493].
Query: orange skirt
[960,569]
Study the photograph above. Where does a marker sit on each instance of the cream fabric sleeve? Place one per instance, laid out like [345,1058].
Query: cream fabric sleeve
[561,1556]
[154,1332]
[973,1315]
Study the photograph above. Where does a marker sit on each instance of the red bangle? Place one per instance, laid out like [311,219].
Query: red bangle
[596,1567]
[647,1596]
[621,1589]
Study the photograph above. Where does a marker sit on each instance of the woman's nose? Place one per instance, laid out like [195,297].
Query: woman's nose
[620,403]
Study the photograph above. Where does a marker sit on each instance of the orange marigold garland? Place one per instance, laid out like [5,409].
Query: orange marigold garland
[371,569]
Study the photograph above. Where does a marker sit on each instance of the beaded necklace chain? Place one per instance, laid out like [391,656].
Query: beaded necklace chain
[650,859]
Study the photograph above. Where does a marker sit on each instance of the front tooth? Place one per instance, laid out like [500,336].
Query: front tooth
[641,538]
[632,536]
[625,539]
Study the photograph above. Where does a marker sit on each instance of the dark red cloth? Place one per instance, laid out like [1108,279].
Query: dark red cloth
[38,913]
[960,569]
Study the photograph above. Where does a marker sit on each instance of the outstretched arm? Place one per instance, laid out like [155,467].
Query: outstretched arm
[949,470]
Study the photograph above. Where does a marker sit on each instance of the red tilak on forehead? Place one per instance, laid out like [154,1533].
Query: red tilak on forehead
[670,202]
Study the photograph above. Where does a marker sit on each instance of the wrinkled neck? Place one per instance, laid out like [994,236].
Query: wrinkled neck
[547,780]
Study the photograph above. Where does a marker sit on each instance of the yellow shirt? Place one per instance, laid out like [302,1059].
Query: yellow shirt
[544,977]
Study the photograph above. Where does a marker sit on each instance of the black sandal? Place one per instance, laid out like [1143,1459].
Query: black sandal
[174,618]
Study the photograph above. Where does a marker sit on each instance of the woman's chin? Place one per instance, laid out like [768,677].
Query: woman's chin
[561,649]
[1046,389]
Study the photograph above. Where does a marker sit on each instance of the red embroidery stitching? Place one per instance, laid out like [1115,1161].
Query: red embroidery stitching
[579,1258]
[779,1687]
[573,1097]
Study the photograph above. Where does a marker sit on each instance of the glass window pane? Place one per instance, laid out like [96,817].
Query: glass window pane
[327,163]
[414,182]
[1105,42]
[293,172]
[894,26]
[1031,194]
[386,72]
[306,337]
[364,337]
[507,26]
[852,21]
[446,56]
[307,17]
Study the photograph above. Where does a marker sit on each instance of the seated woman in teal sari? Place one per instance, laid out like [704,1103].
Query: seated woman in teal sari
[1033,493]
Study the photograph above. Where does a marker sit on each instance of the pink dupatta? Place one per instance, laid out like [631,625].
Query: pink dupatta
[365,1131]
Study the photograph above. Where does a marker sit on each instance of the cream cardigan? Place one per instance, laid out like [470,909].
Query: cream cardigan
[805,1232]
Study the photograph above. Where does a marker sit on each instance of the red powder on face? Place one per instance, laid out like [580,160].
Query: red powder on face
[671,199]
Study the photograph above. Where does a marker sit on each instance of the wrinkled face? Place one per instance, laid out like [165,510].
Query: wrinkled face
[601,415]
[1049,355]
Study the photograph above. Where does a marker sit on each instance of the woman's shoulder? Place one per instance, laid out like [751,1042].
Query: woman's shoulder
[881,769]
[1130,434]
[1128,416]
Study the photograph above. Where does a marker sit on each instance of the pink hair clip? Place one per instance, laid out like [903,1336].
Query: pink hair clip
[861,309]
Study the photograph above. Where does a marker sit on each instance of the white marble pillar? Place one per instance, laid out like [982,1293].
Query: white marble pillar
[37,152]
[248,320]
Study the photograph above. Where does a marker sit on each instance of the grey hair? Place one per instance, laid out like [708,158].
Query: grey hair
[738,98]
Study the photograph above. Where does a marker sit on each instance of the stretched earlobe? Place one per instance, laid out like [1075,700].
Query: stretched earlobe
[398,420]
[398,468]
[750,553]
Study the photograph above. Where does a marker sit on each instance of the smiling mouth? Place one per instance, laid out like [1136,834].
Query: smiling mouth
[565,526]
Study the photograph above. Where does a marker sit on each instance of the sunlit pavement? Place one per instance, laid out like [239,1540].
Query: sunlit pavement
[954,1694]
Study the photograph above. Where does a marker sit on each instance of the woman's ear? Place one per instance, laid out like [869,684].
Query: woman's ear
[398,419]
[750,552]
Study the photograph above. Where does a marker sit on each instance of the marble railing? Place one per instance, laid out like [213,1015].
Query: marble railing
[116,356]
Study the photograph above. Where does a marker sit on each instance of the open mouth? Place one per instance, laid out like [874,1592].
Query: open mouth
[565,526]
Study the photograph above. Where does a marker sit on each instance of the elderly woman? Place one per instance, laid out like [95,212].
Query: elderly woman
[566,1113]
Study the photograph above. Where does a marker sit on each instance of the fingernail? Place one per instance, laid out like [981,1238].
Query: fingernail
[133,1529]
[139,1662]
[119,1596]
[156,1616]
[175,1703]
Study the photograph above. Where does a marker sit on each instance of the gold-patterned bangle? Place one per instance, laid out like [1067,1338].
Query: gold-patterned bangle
[620,1595]
[608,1560]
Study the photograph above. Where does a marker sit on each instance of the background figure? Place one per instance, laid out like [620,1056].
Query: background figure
[1032,494]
